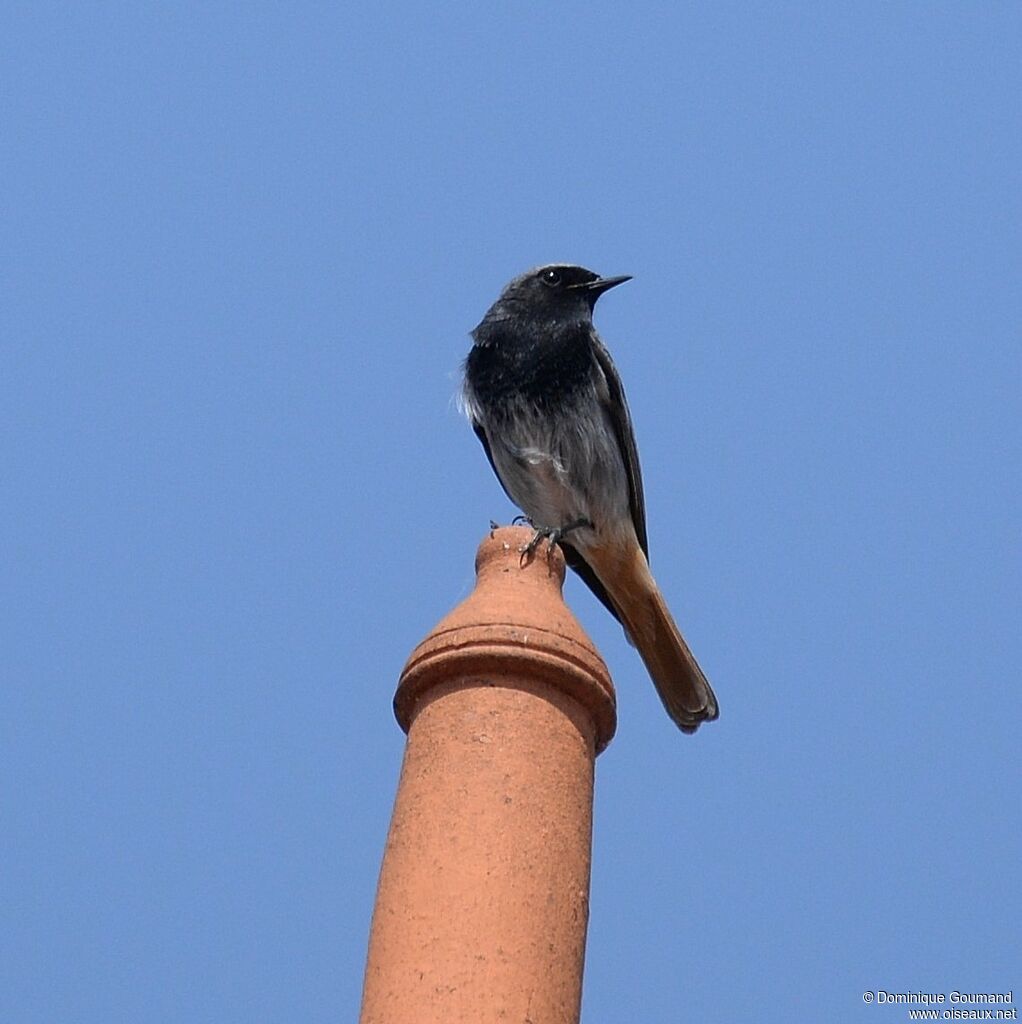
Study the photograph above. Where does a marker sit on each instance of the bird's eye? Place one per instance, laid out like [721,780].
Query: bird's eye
[551,278]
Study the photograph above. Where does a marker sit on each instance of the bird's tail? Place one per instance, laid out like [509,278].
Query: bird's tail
[685,692]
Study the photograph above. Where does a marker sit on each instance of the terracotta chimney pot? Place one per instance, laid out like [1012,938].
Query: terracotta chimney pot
[483,898]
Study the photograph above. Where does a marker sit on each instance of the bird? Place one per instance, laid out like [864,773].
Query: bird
[545,399]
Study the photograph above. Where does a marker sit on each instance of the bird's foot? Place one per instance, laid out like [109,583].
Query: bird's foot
[553,535]
[556,536]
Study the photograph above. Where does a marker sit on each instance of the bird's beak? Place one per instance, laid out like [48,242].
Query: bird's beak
[602,284]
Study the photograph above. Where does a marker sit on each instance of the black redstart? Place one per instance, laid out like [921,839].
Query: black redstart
[547,403]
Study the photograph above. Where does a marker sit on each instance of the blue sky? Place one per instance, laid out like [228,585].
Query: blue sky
[241,251]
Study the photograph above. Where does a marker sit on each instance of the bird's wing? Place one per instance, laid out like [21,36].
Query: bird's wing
[616,407]
[617,411]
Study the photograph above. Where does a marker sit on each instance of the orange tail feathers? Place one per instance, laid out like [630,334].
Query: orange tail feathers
[685,692]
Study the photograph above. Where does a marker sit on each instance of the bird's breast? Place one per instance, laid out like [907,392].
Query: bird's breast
[545,370]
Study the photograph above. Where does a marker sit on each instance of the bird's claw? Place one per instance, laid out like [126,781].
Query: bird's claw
[528,550]
[553,536]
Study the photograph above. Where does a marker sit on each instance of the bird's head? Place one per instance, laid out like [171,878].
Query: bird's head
[556,293]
